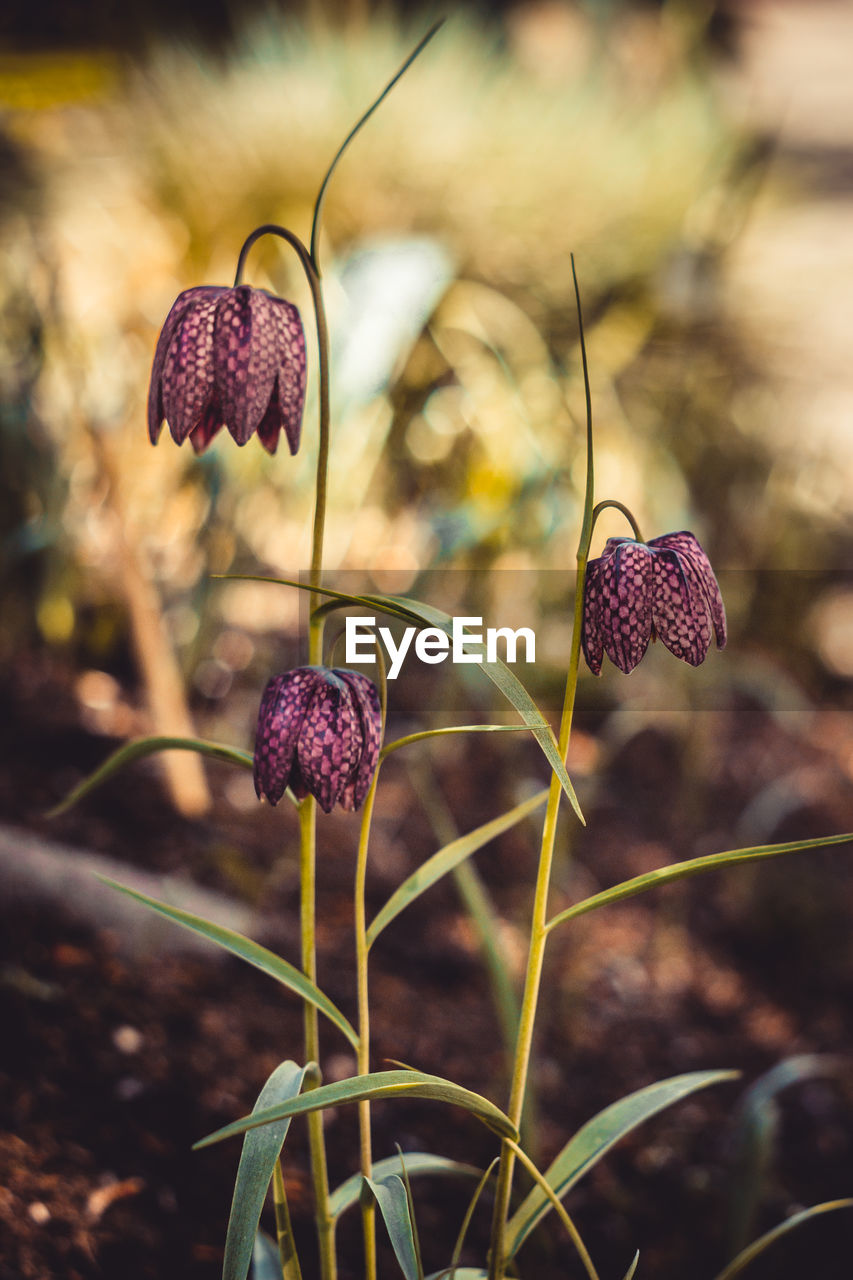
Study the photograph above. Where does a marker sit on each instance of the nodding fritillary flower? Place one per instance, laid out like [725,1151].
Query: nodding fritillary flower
[232,358]
[637,591]
[318,733]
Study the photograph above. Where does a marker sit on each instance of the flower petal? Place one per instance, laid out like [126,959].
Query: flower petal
[625,609]
[680,612]
[246,346]
[293,370]
[209,424]
[366,702]
[330,740]
[689,549]
[179,309]
[188,369]
[591,639]
[280,719]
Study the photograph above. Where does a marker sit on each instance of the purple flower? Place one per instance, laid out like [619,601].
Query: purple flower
[637,591]
[318,732]
[229,357]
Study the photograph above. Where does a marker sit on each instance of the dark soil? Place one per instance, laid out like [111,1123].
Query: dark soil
[114,1063]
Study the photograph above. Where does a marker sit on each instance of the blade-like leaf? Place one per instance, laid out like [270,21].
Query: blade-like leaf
[417,1162]
[595,1138]
[267,961]
[390,1195]
[446,859]
[261,1149]
[146,747]
[466,1221]
[693,866]
[425,615]
[379,1084]
[790,1224]
[629,1274]
[755,1130]
[266,1264]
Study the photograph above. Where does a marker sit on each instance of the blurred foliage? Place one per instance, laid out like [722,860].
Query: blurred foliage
[458,429]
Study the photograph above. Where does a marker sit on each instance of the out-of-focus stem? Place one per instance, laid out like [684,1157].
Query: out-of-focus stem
[368,1206]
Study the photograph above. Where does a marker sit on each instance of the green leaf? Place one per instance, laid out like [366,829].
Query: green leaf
[790,1224]
[466,1221]
[693,866]
[446,859]
[261,1149]
[379,1084]
[145,747]
[595,1138]
[629,1274]
[417,1162]
[266,1264]
[425,615]
[267,961]
[755,1134]
[390,1195]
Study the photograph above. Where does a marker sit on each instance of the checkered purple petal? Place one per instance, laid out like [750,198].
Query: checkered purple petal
[187,380]
[625,608]
[183,304]
[698,563]
[591,638]
[366,702]
[680,612]
[330,740]
[282,712]
[246,358]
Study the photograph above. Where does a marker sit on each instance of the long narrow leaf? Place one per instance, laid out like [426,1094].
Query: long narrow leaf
[379,1084]
[417,1162]
[692,867]
[145,747]
[629,1274]
[595,1138]
[425,615]
[261,1149]
[466,1221]
[266,1264]
[252,952]
[446,859]
[790,1224]
[390,1195]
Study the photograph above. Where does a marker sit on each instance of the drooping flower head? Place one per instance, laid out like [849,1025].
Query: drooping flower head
[318,733]
[636,591]
[233,358]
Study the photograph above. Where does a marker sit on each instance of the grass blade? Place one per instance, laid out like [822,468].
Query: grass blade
[136,750]
[261,1149]
[390,1195]
[252,952]
[379,1084]
[266,1264]
[790,1224]
[595,1138]
[629,1274]
[446,859]
[417,1162]
[692,867]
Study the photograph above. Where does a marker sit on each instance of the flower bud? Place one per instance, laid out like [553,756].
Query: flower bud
[233,358]
[318,733]
[638,591]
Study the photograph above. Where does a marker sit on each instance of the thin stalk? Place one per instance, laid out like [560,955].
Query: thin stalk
[287,1254]
[539,920]
[368,1205]
[318,207]
[617,506]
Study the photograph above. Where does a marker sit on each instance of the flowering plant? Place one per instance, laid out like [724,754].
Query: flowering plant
[235,357]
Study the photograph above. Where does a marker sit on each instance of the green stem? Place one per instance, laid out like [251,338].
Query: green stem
[539,920]
[318,207]
[617,506]
[368,1204]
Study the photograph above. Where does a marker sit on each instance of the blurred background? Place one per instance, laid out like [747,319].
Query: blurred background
[696,159]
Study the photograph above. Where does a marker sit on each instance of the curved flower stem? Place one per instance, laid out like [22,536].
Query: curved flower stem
[618,506]
[318,206]
[308,807]
[368,1205]
[539,920]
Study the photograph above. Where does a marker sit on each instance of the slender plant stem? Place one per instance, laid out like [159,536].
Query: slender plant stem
[539,920]
[368,1204]
[287,1254]
[617,506]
